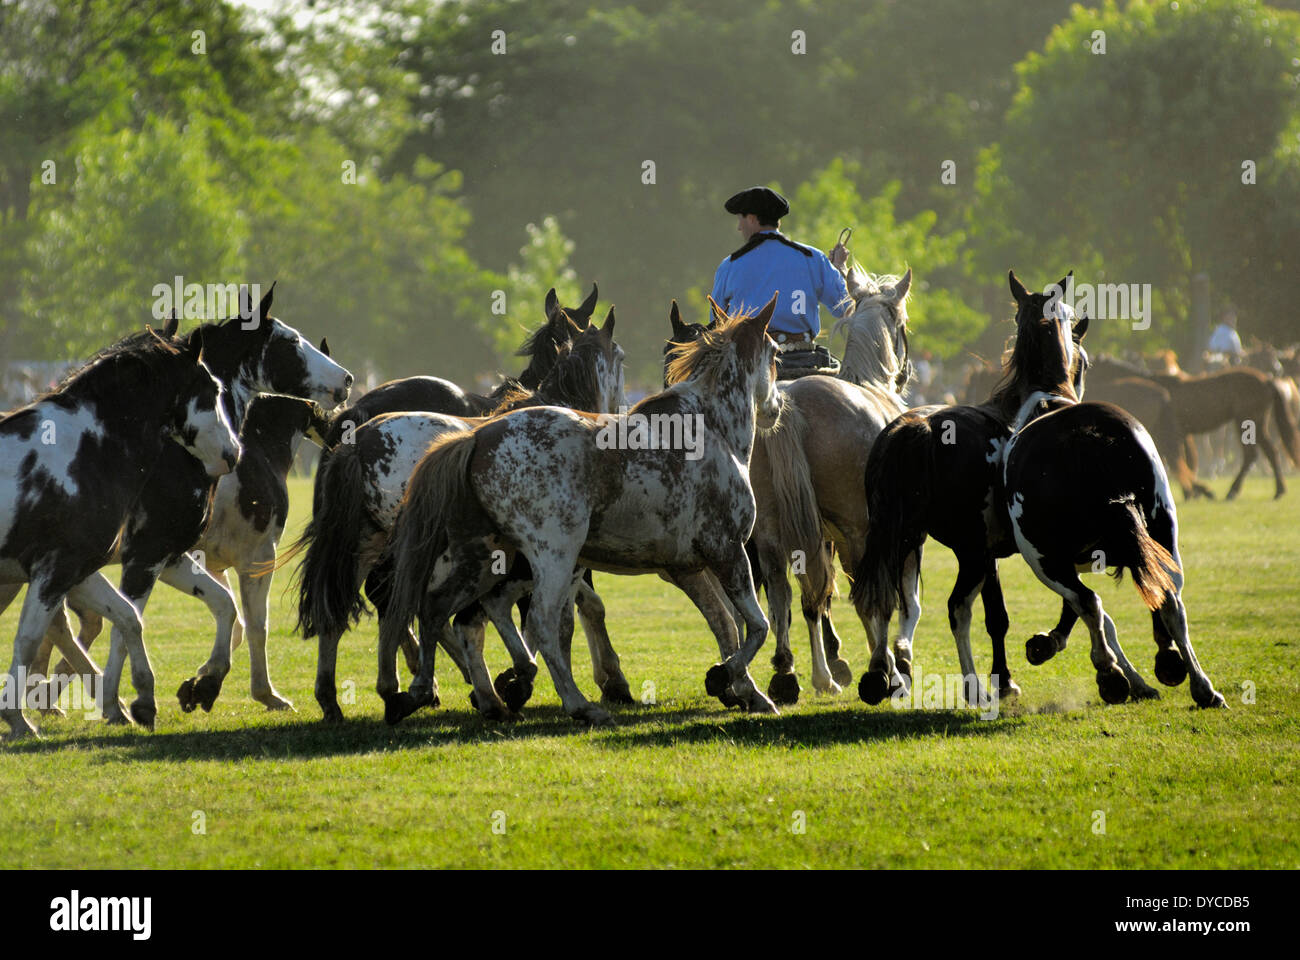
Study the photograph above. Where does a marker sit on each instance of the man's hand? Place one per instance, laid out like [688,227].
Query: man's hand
[839,257]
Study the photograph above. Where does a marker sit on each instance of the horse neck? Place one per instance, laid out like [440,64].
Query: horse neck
[728,410]
[870,357]
[274,427]
[134,419]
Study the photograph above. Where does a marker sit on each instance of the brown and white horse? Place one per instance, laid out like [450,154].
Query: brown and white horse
[567,491]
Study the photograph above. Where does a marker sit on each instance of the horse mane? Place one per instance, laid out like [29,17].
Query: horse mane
[703,359]
[146,354]
[1028,369]
[542,348]
[571,381]
[871,354]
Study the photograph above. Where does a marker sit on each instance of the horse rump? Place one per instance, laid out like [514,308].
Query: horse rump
[899,481]
[1286,426]
[438,491]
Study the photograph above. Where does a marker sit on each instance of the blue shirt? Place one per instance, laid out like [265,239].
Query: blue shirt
[748,283]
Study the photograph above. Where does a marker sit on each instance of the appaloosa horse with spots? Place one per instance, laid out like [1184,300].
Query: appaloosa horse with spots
[935,472]
[1082,484]
[74,464]
[552,485]
[361,486]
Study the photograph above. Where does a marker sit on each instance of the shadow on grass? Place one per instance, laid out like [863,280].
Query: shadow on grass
[636,727]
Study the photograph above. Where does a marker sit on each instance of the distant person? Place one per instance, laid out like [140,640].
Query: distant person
[1224,344]
[771,262]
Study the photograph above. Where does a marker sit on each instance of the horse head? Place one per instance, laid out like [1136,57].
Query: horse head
[875,345]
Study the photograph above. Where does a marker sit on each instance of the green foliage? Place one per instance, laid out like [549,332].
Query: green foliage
[544,263]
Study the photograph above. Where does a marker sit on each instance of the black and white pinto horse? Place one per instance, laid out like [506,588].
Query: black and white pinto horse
[542,482]
[250,355]
[74,464]
[1084,482]
[936,472]
[361,487]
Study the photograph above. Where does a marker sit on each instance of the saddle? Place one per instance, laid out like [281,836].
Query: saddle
[793,364]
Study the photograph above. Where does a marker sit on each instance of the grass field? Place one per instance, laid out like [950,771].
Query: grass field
[1057,780]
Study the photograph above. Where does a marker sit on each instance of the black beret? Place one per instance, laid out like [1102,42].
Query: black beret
[768,205]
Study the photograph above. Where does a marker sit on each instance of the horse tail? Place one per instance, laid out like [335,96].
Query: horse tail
[1286,425]
[439,489]
[899,481]
[329,596]
[1151,565]
[799,521]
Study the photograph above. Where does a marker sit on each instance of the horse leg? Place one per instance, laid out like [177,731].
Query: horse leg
[738,584]
[188,576]
[75,662]
[996,622]
[1139,689]
[784,685]
[1172,617]
[33,622]
[907,622]
[1063,579]
[605,665]
[127,638]
[1041,647]
[841,672]
[378,589]
[971,571]
[816,584]
[704,591]
[1249,452]
[327,651]
[254,597]
[552,599]
[1270,454]
[515,685]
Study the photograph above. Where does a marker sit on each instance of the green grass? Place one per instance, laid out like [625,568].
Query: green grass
[684,783]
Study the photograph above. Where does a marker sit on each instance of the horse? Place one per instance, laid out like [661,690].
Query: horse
[1239,396]
[72,466]
[361,486]
[247,517]
[571,490]
[1084,483]
[934,472]
[250,354]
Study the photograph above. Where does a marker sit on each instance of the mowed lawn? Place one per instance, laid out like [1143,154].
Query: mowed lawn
[1057,780]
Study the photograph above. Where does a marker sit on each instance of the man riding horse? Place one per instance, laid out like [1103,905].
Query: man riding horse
[770,261]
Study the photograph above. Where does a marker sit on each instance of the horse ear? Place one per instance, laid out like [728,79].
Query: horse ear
[172,325]
[589,305]
[1080,328]
[608,328]
[901,288]
[264,308]
[675,318]
[1063,285]
[325,345]
[1017,288]
[764,316]
[552,304]
[716,314]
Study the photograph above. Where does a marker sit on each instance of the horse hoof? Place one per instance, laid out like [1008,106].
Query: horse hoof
[331,714]
[1112,685]
[516,693]
[144,714]
[1213,700]
[1039,649]
[503,680]
[1144,692]
[1006,688]
[398,706]
[717,680]
[593,716]
[841,672]
[1171,669]
[473,699]
[761,704]
[206,690]
[784,689]
[186,695]
[873,687]
[616,691]
[729,699]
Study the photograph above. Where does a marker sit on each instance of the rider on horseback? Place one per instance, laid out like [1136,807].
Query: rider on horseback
[804,276]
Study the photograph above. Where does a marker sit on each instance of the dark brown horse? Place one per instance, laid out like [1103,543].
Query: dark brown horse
[1241,397]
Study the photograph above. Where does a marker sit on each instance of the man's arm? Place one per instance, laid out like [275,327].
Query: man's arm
[831,289]
[719,294]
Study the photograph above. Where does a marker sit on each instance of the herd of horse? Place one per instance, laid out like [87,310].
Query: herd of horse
[447,510]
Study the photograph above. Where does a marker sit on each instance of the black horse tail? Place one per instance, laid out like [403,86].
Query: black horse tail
[899,481]
[1285,425]
[439,489]
[329,594]
[1152,566]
